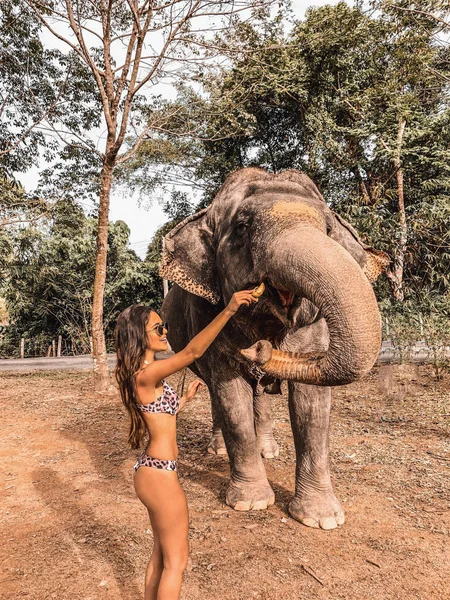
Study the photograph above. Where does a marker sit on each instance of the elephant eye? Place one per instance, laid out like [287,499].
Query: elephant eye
[241,225]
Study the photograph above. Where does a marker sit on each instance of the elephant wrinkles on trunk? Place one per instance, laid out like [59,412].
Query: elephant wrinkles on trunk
[317,324]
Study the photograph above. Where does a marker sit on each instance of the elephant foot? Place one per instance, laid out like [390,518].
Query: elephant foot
[217,444]
[315,509]
[267,445]
[250,496]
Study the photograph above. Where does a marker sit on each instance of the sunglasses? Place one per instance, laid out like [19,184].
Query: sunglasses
[159,329]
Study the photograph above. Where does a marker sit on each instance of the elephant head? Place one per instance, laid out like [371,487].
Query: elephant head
[277,229]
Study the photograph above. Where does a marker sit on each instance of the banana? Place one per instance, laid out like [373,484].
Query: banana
[259,291]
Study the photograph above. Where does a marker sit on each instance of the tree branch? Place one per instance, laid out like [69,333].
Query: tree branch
[126,67]
[77,29]
[423,12]
[31,127]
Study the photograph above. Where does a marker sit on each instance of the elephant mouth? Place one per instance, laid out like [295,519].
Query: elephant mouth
[287,298]
[282,303]
[282,299]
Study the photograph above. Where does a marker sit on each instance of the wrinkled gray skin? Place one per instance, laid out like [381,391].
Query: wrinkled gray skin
[276,229]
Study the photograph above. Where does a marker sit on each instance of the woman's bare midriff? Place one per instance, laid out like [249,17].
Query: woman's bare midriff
[162,430]
[161,427]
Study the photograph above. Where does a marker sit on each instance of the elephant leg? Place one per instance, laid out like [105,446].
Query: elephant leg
[217,443]
[314,503]
[265,441]
[249,488]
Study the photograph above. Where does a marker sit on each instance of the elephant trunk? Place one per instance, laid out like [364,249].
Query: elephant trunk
[305,261]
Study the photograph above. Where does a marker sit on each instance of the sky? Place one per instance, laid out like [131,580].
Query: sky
[143,222]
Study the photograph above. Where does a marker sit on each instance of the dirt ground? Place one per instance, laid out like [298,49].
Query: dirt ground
[71,527]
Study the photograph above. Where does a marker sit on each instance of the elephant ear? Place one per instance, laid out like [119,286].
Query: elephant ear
[373,262]
[188,258]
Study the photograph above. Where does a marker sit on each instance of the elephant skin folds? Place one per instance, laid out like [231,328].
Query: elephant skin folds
[316,324]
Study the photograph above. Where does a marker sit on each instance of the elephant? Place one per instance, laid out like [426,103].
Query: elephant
[317,325]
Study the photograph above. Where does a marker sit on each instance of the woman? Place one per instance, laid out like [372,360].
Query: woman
[152,404]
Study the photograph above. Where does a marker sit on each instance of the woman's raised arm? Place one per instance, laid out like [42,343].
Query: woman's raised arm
[160,369]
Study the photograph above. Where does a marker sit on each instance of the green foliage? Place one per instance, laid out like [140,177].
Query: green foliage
[37,85]
[16,206]
[51,273]
[178,206]
[24,70]
[401,328]
[328,98]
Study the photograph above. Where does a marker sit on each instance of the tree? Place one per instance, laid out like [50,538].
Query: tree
[360,102]
[128,46]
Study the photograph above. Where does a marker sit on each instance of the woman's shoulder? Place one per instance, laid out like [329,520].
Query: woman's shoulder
[159,369]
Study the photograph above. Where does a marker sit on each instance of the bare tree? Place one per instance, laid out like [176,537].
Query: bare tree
[129,46]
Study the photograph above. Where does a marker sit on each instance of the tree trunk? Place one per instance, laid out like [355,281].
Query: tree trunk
[395,273]
[101,374]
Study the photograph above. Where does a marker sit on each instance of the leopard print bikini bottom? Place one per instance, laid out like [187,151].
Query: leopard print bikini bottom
[156,463]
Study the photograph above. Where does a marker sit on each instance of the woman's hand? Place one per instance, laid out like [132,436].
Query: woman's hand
[239,298]
[193,388]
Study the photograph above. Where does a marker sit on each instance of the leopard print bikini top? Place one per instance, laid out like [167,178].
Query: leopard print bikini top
[168,402]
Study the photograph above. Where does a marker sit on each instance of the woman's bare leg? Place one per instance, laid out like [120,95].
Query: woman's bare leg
[172,526]
[154,569]
[161,492]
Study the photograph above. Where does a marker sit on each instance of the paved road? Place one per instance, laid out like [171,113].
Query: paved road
[76,363]
[419,353]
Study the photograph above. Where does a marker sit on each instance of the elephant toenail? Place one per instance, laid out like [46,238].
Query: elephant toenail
[340,518]
[309,522]
[328,523]
[241,505]
[260,505]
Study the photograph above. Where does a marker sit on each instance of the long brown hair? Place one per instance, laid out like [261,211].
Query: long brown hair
[131,344]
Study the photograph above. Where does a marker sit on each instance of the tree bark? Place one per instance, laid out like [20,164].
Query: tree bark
[101,373]
[395,273]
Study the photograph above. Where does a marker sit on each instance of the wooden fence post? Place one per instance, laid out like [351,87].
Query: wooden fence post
[53,348]
[58,352]
[22,348]
[49,352]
